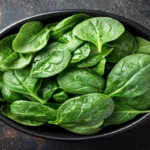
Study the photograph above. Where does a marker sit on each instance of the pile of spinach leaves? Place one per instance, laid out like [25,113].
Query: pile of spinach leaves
[83,73]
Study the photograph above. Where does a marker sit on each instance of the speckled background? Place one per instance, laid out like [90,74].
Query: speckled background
[137,138]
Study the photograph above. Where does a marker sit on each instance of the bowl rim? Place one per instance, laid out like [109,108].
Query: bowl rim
[90,137]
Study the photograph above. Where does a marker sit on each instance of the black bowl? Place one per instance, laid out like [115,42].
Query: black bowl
[57,133]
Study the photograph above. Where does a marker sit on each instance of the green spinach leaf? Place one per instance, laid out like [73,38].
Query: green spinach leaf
[19,81]
[100,68]
[32,37]
[60,96]
[71,42]
[67,24]
[80,53]
[85,129]
[51,61]
[93,58]
[125,45]
[89,109]
[9,95]
[80,81]
[123,113]
[143,46]
[130,77]
[141,102]
[99,30]
[32,110]
[47,89]
[9,59]
[28,122]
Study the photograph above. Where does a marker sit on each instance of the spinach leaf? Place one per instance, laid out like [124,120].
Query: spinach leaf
[47,89]
[67,24]
[29,122]
[19,81]
[85,129]
[93,58]
[80,81]
[125,45]
[99,30]
[67,37]
[9,59]
[123,113]
[51,61]
[71,42]
[143,46]
[32,110]
[130,77]
[9,95]
[100,68]
[89,109]
[80,53]
[32,37]
[60,96]
[141,102]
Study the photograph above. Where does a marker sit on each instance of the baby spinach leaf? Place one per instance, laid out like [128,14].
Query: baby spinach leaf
[47,89]
[32,37]
[67,37]
[129,77]
[71,42]
[85,129]
[123,113]
[9,59]
[80,81]
[19,81]
[99,30]
[67,24]
[60,96]
[6,94]
[100,68]
[32,110]
[9,95]
[143,46]
[89,109]
[93,58]
[28,122]
[141,102]
[122,47]
[50,61]
[80,53]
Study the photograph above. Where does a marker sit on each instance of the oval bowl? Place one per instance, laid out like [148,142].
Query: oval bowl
[57,133]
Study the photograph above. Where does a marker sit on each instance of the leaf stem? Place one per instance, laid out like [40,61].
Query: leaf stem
[137,111]
[37,98]
[99,48]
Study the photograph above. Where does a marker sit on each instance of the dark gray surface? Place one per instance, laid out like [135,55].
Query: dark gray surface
[13,10]
[136,10]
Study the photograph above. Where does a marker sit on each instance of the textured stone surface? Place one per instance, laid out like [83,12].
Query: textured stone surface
[13,10]
[134,139]
[136,10]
